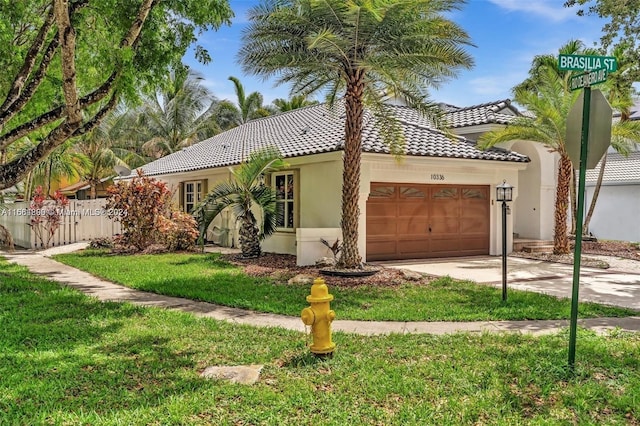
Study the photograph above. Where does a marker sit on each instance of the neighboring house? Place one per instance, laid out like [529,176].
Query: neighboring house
[438,200]
[618,206]
[82,190]
[617,212]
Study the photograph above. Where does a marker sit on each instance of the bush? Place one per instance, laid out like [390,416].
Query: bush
[46,215]
[179,232]
[143,207]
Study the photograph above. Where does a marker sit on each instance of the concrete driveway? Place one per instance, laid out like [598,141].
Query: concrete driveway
[619,285]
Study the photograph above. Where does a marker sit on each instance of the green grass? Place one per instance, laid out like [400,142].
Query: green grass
[68,359]
[207,277]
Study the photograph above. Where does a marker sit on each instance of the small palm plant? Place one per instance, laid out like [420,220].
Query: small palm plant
[245,193]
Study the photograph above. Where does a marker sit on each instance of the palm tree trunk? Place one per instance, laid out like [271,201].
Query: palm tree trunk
[596,192]
[560,238]
[351,170]
[93,191]
[574,200]
[249,240]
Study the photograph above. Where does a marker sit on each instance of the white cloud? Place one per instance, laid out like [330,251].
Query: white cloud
[549,9]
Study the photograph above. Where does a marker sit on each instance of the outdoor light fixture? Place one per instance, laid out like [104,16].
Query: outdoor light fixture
[504,193]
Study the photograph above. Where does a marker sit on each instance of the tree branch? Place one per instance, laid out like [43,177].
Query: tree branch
[27,66]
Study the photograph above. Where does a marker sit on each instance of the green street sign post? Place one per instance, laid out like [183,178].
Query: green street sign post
[582,63]
[588,78]
[586,63]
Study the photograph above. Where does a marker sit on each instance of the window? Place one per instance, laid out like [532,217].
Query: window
[192,195]
[286,191]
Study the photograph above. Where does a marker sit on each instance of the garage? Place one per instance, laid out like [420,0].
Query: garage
[417,221]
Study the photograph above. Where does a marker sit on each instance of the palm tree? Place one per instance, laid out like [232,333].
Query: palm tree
[100,147]
[539,66]
[292,103]
[246,108]
[178,115]
[245,193]
[363,49]
[62,162]
[550,103]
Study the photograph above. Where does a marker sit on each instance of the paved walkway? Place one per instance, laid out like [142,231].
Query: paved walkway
[40,263]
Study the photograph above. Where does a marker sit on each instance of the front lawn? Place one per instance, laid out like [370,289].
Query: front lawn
[209,278]
[69,359]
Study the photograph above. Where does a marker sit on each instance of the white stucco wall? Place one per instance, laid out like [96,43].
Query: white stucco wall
[534,210]
[617,212]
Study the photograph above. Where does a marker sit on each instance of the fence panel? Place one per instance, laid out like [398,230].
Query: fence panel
[81,221]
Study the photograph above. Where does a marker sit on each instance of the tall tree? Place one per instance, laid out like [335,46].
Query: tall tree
[541,65]
[101,50]
[358,49]
[622,27]
[247,107]
[99,146]
[294,102]
[178,115]
[550,104]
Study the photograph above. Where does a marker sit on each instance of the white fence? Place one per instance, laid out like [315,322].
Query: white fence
[81,221]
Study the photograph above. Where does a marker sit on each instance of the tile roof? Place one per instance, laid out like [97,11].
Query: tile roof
[499,112]
[618,169]
[317,129]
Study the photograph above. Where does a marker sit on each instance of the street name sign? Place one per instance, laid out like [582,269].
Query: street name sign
[600,117]
[586,63]
[587,79]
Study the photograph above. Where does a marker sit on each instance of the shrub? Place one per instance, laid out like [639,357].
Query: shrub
[46,215]
[179,232]
[143,207]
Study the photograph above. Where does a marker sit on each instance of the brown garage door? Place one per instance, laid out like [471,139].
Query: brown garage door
[412,221]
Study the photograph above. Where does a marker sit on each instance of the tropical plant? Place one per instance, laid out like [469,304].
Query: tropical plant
[46,215]
[246,108]
[64,162]
[143,207]
[65,64]
[294,102]
[541,65]
[178,115]
[245,193]
[364,50]
[550,104]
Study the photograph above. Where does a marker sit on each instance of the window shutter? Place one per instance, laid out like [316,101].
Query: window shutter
[205,188]
[181,196]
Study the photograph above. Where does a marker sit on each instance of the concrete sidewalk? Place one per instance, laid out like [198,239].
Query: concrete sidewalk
[619,285]
[41,264]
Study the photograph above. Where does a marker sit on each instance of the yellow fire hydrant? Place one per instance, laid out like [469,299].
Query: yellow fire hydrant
[319,317]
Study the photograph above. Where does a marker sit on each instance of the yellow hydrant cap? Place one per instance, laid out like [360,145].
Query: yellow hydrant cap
[319,292]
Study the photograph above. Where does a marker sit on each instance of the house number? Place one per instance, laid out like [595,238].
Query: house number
[437,176]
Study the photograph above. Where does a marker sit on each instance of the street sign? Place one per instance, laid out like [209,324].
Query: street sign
[586,63]
[588,78]
[600,117]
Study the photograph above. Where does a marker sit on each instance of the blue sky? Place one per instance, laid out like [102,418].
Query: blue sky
[507,35]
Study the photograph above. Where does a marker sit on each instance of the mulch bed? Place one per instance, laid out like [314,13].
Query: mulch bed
[283,266]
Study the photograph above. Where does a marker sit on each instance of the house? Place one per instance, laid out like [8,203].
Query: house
[438,200]
[82,190]
[618,206]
